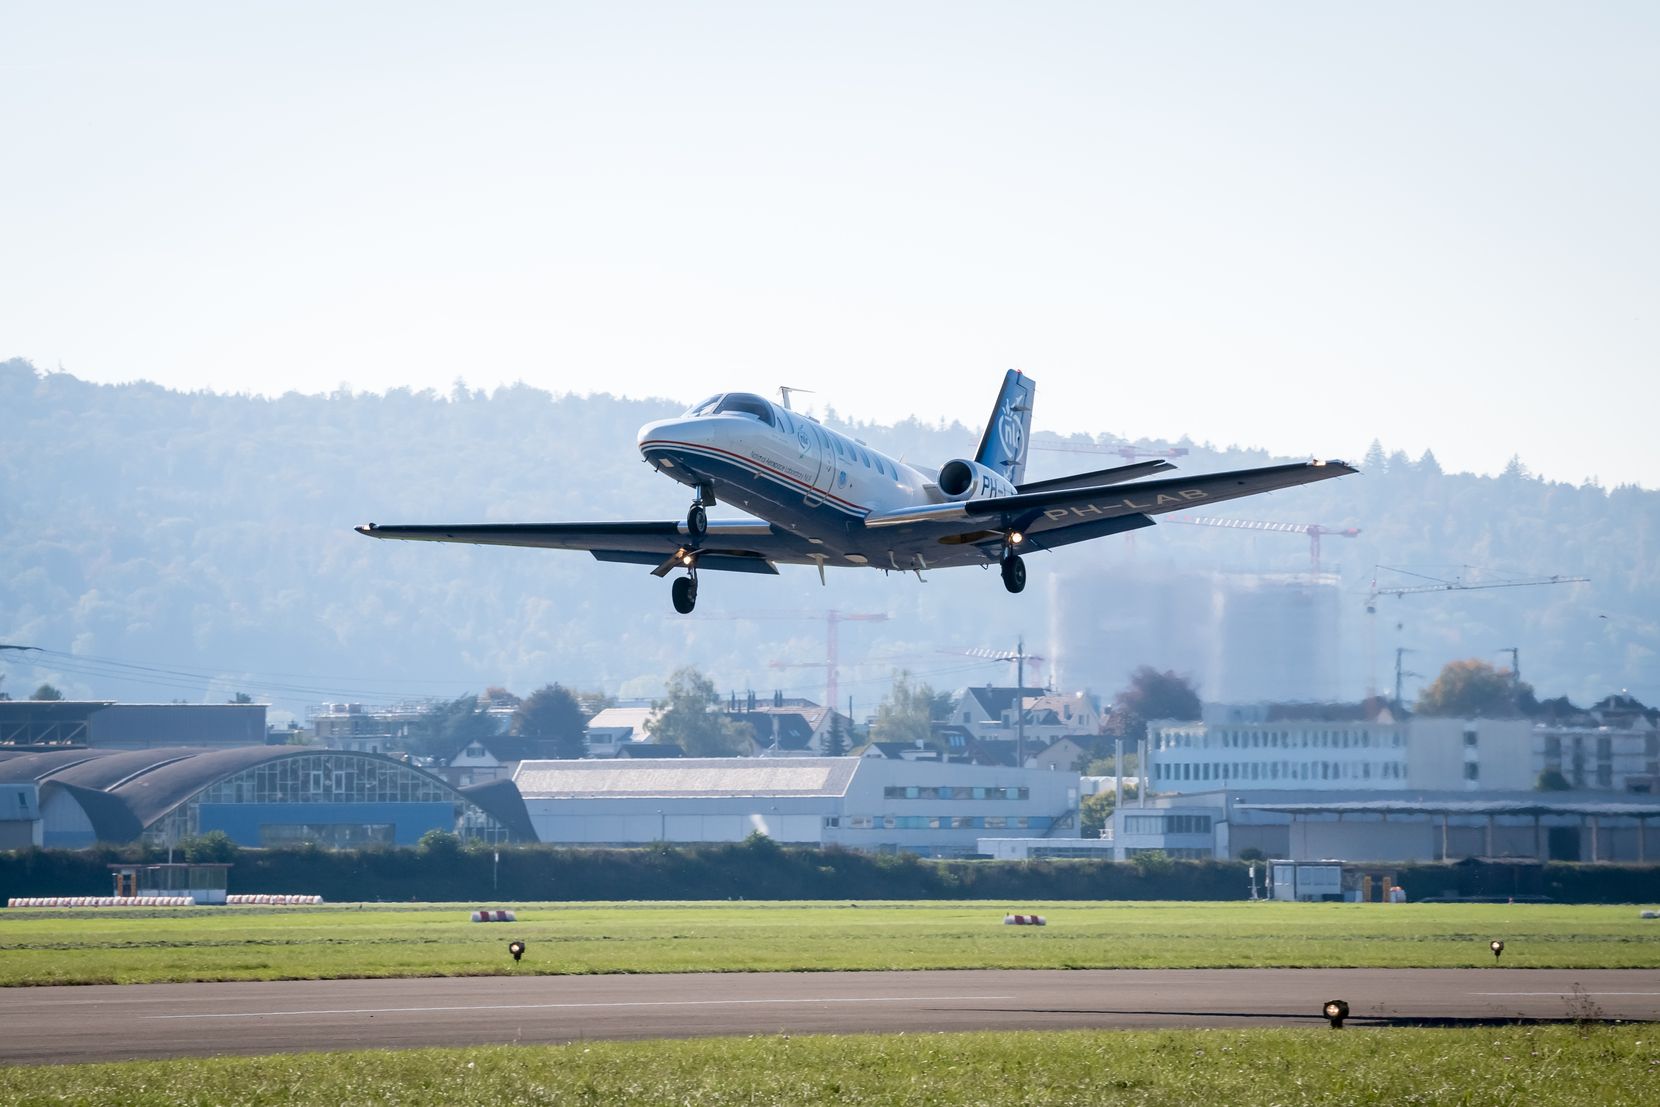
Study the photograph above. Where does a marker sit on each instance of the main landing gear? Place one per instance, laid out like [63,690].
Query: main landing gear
[1014,572]
[684,593]
[1014,569]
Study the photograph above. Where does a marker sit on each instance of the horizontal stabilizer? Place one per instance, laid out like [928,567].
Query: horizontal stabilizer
[1116,475]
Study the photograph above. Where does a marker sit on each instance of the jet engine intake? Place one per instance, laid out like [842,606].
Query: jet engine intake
[969,480]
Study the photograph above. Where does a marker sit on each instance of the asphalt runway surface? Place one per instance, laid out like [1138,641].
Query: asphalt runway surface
[126,1022]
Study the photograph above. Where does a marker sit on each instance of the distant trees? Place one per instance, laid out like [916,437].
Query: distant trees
[165,593]
[497,696]
[908,712]
[214,846]
[1474,689]
[1156,695]
[1552,780]
[552,714]
[241,697]
[447,727]
[46,692]
[1095,812]
[686,716]
[835,742]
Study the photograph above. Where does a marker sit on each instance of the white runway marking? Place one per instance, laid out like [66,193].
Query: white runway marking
[566,1006]
[1565,995]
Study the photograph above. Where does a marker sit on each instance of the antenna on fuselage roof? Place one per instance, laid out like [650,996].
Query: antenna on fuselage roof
[784,391]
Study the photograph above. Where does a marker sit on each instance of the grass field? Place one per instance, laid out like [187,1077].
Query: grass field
[1534,1066]
[132,946]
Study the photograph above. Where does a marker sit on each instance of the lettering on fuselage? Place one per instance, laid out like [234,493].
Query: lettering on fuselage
[1091,511]
[993,485]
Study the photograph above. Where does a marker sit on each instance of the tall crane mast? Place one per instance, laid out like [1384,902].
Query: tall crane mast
[1313,530]
[832,635]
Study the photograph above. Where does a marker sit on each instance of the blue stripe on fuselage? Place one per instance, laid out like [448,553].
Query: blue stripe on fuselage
[744,481]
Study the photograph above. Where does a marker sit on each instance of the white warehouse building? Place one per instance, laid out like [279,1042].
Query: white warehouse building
[861,803]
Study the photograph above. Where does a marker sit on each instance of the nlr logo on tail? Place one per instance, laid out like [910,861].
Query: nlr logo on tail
[817,497]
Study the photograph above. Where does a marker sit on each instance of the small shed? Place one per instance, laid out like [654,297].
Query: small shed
[204,882]
[1318,881]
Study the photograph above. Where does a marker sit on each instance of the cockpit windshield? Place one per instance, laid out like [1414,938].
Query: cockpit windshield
[746,404]
[735,403]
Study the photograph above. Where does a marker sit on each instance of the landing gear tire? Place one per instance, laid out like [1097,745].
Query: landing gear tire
[684,593]
[697,523]
[1014,573]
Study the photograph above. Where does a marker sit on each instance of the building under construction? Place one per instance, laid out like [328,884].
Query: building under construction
[1241,637]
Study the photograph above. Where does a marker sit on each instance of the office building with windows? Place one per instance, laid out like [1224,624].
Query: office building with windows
[862,803]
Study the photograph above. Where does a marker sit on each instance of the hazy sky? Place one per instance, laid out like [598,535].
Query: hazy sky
[1290,225]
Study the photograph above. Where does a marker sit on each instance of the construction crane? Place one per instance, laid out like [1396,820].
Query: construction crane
[1126,451]
[1313,530]
[832,635]
[1436,584]
[1456,584]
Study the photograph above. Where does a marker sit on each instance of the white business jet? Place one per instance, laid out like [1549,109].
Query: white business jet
[821,498]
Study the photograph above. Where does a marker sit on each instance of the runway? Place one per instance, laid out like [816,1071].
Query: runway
[126,1022]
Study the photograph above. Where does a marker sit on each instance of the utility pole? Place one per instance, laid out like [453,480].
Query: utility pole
[1019,657]
[1515,665]
[1020,702]
[1400,653]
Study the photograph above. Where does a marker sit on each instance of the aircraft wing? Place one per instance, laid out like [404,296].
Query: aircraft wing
[733,546]
[1059,516]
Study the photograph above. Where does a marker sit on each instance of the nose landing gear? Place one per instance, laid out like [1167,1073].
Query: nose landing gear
[697,519]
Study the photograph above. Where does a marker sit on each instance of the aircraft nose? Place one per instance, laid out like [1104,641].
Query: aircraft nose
[663,434]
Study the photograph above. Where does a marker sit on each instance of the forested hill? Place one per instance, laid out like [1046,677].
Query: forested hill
[200,532]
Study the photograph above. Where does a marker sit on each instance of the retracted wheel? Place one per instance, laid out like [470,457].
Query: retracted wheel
[697,522]
[685,594]
[1014,573]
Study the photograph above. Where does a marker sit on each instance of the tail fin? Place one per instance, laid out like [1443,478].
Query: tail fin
[1003,446]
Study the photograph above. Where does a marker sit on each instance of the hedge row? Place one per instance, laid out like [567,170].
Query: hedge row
[759,869]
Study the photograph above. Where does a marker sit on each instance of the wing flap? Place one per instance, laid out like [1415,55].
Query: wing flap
[724,562]
[734,546]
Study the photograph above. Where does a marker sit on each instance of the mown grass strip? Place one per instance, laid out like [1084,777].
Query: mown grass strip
[1536,1066]
[100,946]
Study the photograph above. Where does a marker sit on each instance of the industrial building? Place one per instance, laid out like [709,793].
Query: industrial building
[1350,747]
[258,795]
[1314,824]
[862,803]
[104,724]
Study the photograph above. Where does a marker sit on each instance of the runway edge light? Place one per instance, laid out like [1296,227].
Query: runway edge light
[1497,947]
[517,949]
[1336,1010]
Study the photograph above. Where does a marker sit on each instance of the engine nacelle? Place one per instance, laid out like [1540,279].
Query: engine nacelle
[969,480]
